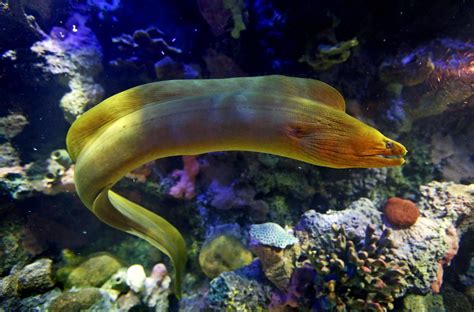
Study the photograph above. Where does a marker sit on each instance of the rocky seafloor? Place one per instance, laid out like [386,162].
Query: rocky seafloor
[263,232]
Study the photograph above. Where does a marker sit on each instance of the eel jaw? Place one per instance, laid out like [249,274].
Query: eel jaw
[392,156]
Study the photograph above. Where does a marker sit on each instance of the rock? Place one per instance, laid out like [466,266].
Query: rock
[33,303]
[94,271]
[75,300]
[35,277]
[223,253]
[242,290]
[455,300]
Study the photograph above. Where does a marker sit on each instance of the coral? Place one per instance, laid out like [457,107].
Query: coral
[75,53]
[357,275]
[276,264]
[147,54]
[136,278]
[84,94]
[217,13]
[271,234]
[94,271]
[401,213]
[221,254]
[12,125]
[327,56]
[34,278]
[442,76]
[157,288]
[271,244]
[185,188]
[131,289]
[240,290]
[422,246]
[426,303]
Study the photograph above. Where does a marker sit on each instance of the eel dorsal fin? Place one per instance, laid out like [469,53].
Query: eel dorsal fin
[133,99]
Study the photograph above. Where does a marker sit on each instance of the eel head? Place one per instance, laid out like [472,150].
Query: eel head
[345,143]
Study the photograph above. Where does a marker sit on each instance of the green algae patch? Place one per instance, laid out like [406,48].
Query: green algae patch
[224,253]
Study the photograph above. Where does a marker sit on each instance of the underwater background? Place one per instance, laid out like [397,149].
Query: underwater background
[264,233]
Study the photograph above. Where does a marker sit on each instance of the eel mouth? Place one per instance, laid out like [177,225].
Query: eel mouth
[392,156]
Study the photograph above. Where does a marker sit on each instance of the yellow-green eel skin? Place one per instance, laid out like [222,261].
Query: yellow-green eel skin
[298,118]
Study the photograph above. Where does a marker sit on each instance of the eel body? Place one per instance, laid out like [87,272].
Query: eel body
[298,118]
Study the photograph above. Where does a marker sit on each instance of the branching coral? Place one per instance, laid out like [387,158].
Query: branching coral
[357,275]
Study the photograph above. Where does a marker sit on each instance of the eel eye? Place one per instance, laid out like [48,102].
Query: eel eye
[389,145]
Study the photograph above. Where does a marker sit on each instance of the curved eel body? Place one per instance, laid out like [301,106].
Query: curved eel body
[298,118]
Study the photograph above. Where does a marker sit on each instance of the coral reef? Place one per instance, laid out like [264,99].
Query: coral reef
[74,53]
[401,213]
[422,246]
[221,254]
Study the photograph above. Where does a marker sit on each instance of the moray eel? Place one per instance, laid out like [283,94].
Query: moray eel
[297,118]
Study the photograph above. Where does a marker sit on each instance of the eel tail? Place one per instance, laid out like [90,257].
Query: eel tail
[120,213]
